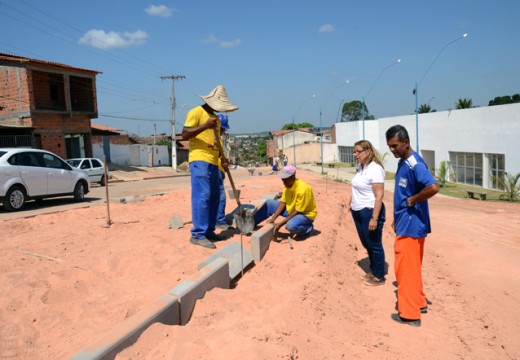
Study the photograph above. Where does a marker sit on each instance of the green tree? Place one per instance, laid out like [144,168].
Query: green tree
[352,111]
[464,104]
[502,100]
[261,151]
[290,126]
[510,184]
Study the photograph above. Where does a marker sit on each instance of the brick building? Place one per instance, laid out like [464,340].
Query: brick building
[46,105]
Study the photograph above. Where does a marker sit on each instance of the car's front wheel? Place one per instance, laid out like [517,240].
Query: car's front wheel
[79,192]
[15,199]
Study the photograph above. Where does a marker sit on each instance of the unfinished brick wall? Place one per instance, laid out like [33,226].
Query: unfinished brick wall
[35,95]
[14,91]
[55,143]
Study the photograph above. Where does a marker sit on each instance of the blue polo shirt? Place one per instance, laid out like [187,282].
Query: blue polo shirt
[412,176]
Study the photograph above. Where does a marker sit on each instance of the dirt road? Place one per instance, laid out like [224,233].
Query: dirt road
[66,279]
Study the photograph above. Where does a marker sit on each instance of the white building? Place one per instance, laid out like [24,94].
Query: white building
[480,143]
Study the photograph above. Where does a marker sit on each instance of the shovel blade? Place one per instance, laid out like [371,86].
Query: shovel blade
[244,221]
[176,222]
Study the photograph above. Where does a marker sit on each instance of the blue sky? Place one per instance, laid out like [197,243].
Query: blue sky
[272,56]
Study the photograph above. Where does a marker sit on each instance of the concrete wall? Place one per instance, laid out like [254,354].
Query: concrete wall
[135,155]
[485,130]
[300,137]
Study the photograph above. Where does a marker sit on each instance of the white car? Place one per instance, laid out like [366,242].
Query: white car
[94,168]
[32,174]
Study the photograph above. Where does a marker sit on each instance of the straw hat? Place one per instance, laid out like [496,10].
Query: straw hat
[218,100]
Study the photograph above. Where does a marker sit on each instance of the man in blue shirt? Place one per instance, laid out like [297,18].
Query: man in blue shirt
[414,185]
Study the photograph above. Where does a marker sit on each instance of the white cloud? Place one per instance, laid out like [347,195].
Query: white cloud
[108,40]
[225,44]
[230,43]
[159,10]
[211,39]
[327,28]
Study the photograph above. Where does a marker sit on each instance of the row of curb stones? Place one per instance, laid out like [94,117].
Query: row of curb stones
[176,306]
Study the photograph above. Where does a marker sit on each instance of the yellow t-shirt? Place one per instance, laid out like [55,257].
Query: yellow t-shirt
[300,197]
[203,146]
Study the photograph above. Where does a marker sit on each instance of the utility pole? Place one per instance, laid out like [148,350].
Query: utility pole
[174,144]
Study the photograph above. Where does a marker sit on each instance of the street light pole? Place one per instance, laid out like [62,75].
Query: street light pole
[321,128]
[417,83]
[339,109]
[369,90]
[293,123]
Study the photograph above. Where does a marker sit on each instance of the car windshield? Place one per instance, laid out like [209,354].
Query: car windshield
[74,162]
[2,153]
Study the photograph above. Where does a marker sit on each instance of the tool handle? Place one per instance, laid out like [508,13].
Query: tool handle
[221,152]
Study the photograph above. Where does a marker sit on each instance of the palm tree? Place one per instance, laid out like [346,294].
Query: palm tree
[510,185]
[444,173]
[425,108]
[464,104]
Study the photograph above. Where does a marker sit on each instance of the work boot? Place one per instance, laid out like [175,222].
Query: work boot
[400,320]
[203,242]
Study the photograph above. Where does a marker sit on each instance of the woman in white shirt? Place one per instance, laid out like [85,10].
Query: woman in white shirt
[368,210]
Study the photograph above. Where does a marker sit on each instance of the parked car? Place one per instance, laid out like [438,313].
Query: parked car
[94,168]
[32,174]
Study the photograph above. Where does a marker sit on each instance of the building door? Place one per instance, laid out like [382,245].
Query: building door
[75,145]
[429,159]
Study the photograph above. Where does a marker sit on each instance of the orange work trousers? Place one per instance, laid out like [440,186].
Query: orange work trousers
[408,273]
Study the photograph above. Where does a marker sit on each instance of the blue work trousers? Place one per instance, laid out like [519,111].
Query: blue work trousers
[205,195]
[299,225]
[221,214]
[372,241]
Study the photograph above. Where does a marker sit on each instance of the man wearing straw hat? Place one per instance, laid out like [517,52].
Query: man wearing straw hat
[204,160]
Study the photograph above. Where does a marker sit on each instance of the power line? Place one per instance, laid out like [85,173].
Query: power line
[133,118]
[117,59]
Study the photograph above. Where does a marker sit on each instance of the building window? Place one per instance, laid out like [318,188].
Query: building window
[497,165]
[346,154]
[48,91]
[467,167]
[81,94]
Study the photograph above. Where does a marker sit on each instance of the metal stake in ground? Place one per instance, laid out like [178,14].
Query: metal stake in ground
[245,224]
[109,221]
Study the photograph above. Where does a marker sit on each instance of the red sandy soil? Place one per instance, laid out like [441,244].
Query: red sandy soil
[305,303]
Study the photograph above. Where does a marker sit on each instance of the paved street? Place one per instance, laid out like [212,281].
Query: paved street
[117,190]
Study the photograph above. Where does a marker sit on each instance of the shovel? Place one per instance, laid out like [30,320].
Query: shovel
[237,195]
[177,223]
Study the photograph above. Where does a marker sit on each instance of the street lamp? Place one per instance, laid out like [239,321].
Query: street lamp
[321,129]
[417,83]
[369,90]
[339,109]
[293,123]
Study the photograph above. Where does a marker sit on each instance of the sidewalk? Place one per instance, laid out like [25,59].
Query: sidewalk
[134,173]
[341,173]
